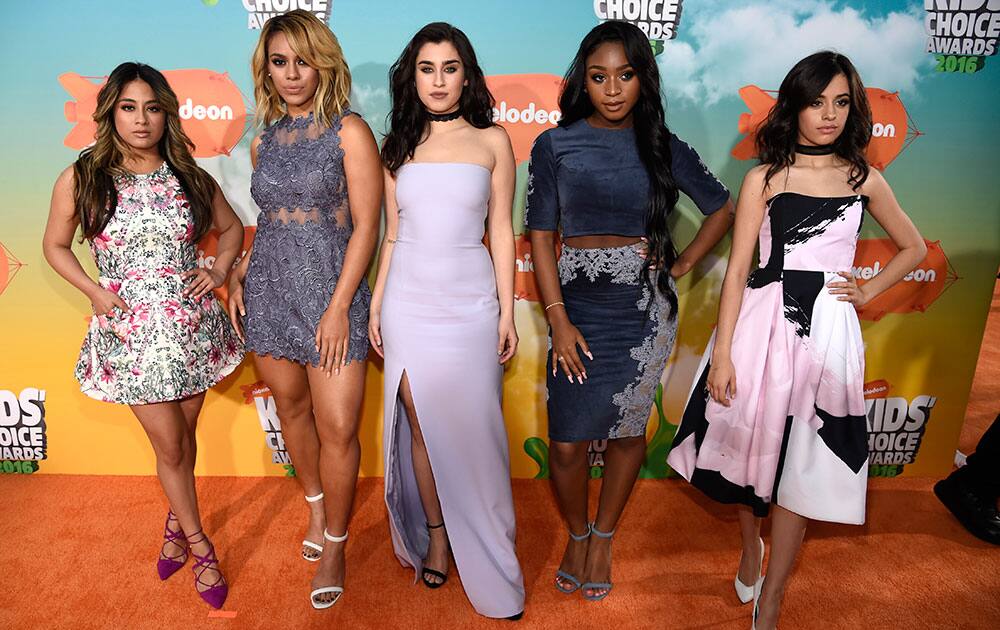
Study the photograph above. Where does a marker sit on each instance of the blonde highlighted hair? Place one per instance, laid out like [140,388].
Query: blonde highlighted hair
[315,44]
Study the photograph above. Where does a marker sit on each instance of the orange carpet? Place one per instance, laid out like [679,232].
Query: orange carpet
[79,552]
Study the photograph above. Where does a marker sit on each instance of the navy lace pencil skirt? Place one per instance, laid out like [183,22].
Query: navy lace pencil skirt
[630,332]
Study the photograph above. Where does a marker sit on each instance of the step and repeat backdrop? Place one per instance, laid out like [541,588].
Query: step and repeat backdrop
[933,78]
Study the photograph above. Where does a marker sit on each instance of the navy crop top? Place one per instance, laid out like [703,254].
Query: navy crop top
[586,180]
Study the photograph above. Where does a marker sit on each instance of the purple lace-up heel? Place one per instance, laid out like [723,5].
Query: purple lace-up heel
[215,594]
[168,565]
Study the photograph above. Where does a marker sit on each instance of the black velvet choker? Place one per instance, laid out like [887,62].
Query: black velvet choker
[443,117]
[812,149]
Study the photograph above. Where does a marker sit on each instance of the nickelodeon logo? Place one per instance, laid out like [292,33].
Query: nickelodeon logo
[892,129]
[529,114]
[918,289]
[525,286]
[212,109]
[189,110]
[917,275]
[527,105]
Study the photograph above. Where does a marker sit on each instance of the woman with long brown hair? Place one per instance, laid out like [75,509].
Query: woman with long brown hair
[443,306]
[776,421]
[301,290]
[158,338]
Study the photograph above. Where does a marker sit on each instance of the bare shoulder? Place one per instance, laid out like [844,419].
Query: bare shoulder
[753,181]
[66,180]
[354,128]
[498,142]
[874,184]
[495,137]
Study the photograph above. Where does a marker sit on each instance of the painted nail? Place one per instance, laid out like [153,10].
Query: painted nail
[589,356]
[569,378]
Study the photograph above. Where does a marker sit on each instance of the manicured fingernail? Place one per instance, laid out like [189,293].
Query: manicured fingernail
[569,378]
[589,356]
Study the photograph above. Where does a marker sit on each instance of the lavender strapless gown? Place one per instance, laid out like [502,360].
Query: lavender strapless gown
[439,326]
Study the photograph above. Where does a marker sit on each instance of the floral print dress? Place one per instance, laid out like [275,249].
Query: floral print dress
[167,346]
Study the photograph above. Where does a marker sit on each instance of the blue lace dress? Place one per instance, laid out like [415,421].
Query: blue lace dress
[302,233]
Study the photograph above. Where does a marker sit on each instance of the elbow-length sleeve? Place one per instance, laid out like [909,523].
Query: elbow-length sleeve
[542,207]
[694,179]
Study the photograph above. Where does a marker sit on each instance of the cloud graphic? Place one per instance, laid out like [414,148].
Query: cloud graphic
[721,50]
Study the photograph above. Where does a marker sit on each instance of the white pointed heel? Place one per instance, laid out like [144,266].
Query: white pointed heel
[339,590]
[308,544]
[743,591]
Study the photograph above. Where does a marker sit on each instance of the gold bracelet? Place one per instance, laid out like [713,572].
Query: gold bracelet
[554,304]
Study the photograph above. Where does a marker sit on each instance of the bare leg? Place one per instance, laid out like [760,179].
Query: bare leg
[787,531]
[750,537]
[290,388]
[336,403]
[168,433]
[623,460]
[437,552]
[569,473]
[190,408]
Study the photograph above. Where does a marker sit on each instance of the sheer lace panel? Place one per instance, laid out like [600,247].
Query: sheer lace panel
[297,132]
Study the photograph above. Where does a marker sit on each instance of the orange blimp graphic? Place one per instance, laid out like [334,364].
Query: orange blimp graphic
[9,266]
[915,292]
[208,248]
[526,105]
[525,287]
[892,128]
[212,109]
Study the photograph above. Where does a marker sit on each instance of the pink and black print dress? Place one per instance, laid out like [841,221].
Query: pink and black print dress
[167,346]
[795,434]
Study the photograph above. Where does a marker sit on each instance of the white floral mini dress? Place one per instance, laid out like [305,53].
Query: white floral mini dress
[167,346]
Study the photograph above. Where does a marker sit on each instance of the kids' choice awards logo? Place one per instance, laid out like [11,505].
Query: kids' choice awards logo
[22,430]
[896,428]
[658,19]
[212,109]
[260,11]
[892,128]
[259,395]
[962,33]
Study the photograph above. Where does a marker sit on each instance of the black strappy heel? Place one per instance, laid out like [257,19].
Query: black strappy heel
[431,572]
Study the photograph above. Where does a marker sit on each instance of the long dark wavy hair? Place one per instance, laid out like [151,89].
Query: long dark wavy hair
[651,135]
[95,196]
[804,83]
[408,118]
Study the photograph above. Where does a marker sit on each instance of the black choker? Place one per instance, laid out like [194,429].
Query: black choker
[443,117]
[812,149]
